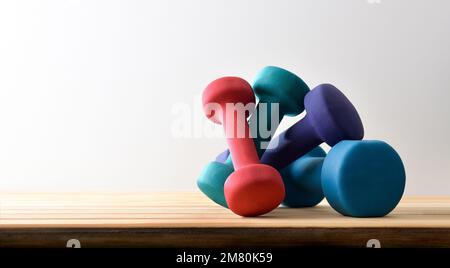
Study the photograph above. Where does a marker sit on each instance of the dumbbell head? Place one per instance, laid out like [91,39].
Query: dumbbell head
[277,85]
[211,181]
[225,90]
[254,190]
[363,178]
[302,180]
[212,178]
[332,115]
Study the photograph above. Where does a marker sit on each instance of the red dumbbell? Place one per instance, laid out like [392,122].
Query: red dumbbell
[253,188]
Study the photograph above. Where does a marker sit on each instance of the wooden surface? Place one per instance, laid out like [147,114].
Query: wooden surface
[191,220]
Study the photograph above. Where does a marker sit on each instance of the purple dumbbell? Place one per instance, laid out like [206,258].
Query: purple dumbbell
[330,117]
[223,156]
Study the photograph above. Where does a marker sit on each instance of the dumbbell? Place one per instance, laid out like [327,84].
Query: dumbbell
[358,178]
[253,188]
[330,117]
[271,85]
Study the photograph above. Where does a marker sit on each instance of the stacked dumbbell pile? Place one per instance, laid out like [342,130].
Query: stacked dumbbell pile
[359,178]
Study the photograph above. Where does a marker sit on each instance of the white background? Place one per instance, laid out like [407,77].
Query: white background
[88,88]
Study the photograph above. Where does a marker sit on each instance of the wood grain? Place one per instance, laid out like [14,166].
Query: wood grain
[183,219]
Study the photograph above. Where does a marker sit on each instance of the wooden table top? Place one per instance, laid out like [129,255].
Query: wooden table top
[183,218]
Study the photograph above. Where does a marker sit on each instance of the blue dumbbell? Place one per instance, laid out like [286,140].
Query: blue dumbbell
[358,178]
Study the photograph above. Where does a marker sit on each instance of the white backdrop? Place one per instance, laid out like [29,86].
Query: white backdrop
[88,88]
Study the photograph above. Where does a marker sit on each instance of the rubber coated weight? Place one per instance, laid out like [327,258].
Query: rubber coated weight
[271,85]
[211,182]
[274,85]
[358,178]
[330,117]
[253,188]
[363,178]
[302,180]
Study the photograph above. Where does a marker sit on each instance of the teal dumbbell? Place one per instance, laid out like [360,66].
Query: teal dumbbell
[358,178]
[272,85]
[363,178]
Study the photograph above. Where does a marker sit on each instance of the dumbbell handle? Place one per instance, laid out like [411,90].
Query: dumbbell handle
[257,139]
[242,149]
[293,143]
